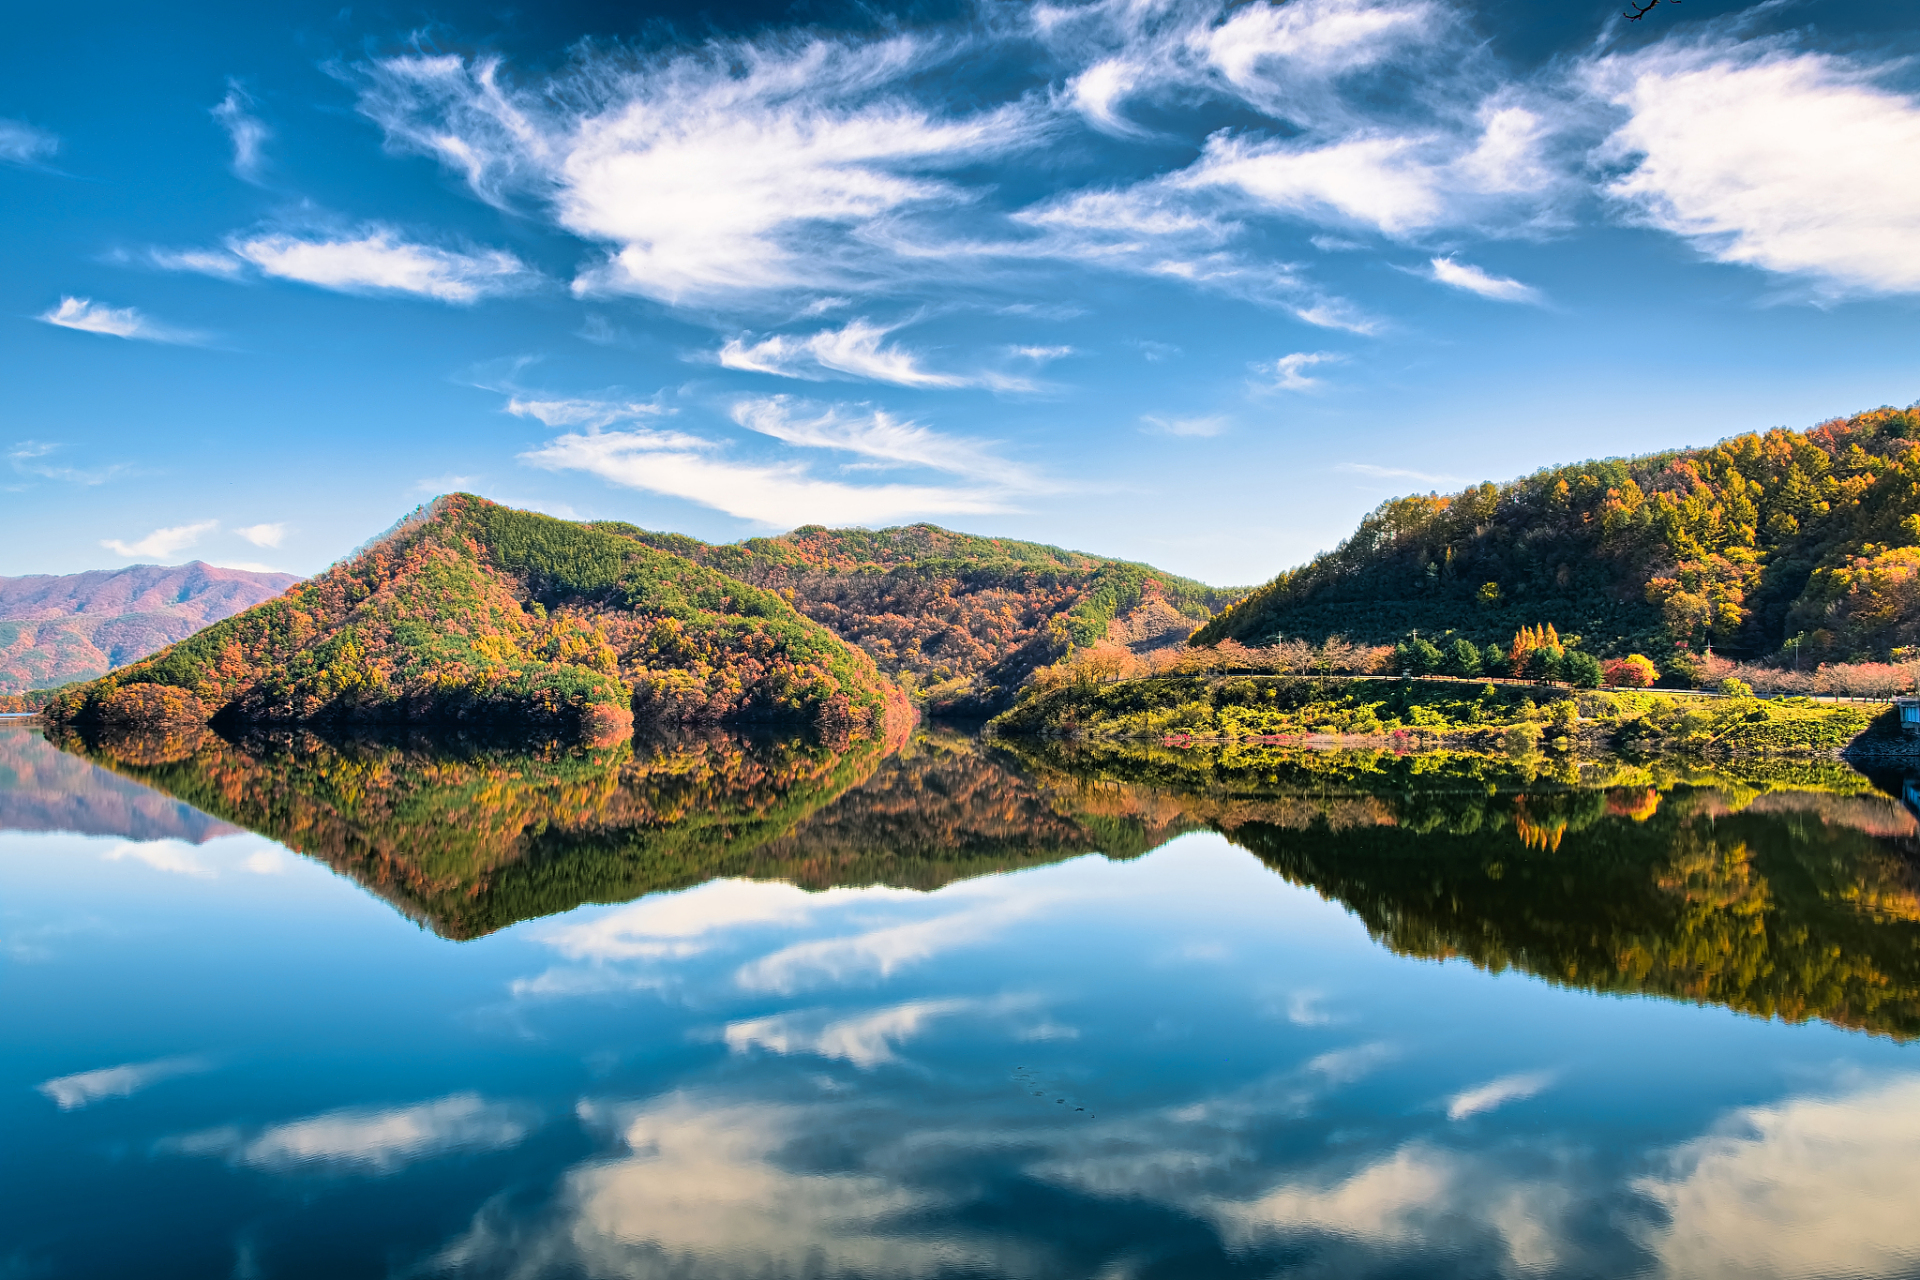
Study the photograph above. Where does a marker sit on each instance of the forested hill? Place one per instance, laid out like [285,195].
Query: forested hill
[957,619]
[469,611]
[55,628]
[1747,545]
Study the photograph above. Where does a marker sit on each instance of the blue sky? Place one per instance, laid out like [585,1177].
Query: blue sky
[1185,282]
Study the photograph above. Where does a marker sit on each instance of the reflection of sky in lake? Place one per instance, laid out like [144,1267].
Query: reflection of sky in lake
[223,1059]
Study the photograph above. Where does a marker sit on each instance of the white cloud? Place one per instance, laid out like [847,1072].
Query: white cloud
[855,350]
[1041,355]
[89,316]
[21,143]
[87,1087]
[875,433]
[248,134]
[26,456]
[1395,473]
[264,535]
[1810,1186]
[162,543]
[773,494]
[206,262]
[1197,427]
[367,1141]
[583,411]
[1798,164]
[737,169]
[1288,373]
[1497,1093]
[1461,275]
[379,260]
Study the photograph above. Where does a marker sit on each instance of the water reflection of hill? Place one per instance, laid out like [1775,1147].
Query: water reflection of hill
[45,789]
[469,837]
[1784,890]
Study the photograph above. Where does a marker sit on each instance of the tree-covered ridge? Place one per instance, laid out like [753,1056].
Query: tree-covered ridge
[1808,539]
[960,620]
[474,611]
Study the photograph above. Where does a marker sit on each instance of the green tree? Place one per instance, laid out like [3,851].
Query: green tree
[1583,670]
[1493,660]
[1463,659]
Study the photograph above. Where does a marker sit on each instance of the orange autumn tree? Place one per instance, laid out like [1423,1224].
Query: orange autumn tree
[1526,641]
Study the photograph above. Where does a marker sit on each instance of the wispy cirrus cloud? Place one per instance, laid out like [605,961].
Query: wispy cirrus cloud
[776,494]
[88,316]
[1202,426]
[1722,143]
[857,350]
[821,140]
[34,458]
[1377,472]
[1462,275]
[22,143]
[374,259]
[247,132]
[380,260]
[263,535]
[877,434]
[779,490]
[1289,372]
[162,543]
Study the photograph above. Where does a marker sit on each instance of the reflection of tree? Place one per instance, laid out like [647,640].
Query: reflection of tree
[1780,889]
[469,837]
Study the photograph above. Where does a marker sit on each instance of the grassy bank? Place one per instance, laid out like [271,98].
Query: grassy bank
[1432,713]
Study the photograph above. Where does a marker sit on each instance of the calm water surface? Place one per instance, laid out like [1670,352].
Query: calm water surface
[719,1007]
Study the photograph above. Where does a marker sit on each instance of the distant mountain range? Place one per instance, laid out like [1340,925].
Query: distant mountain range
[55,628]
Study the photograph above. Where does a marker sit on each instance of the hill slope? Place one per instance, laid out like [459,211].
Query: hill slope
[1744,546]
[960,620]
[56,628]
[468,611]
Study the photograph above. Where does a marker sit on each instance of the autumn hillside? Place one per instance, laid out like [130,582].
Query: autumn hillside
[960,621]
[468,611]
[1784,542]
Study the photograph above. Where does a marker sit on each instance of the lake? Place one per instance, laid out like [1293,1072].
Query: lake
[749,1007]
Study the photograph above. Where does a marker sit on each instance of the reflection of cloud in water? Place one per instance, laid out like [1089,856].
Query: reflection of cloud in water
[367,1141]
[1497,1093]
[877,953]
[171,856]
[704,1192]
[86,1087]
[1811,1186]
[681,924]
[1441,1201]
[205,861]
[865,1039]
